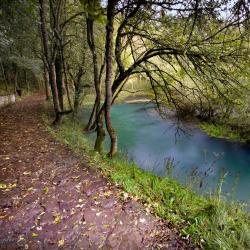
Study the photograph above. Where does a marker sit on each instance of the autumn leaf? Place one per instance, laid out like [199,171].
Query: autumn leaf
[61,243]
[7,186]
[57,219]
[45,190]
[107,193]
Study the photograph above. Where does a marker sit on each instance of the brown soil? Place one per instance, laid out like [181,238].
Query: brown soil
[50,199]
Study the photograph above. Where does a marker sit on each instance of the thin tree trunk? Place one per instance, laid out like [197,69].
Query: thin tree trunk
[46,82]
[91,43]
[76,99]
[91,118]
[5,78]
[109,75]
[17,88]
[66,79]
[25,80]
[96,108]
[50,63]
[53,84]
[78,88]
[59,80]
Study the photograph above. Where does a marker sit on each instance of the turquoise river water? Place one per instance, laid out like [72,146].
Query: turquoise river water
[198,160]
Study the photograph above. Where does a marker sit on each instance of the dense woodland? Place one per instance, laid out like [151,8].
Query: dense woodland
[189,56]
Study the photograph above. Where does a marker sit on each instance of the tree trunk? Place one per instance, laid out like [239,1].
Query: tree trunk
[96,108]
[100,133]
[78,88]
[109,75]
[46,82]
[91,118]
[59,80]
[17,88]
[53,84]
[25,80]
[76,100]
[5,78]
[50,63]
[66,79]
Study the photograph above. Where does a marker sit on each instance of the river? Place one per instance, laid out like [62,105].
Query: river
[198,160]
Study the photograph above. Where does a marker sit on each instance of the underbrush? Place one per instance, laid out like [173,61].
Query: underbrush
[209,221]
[222,131]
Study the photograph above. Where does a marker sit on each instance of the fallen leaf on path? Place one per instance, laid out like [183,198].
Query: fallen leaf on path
[46,190]
[61,243]
[7,186]
[26,173]
[57,219]
[142,220]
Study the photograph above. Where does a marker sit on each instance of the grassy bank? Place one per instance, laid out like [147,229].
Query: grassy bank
[222,131]
[209,221]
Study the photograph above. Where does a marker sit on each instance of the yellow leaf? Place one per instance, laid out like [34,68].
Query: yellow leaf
[57,219]
[61,242]
[2,185]
[5,186]
[107,193]
[34,235]
[46,190]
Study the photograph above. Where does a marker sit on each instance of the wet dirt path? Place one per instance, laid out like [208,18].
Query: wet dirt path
[51,199]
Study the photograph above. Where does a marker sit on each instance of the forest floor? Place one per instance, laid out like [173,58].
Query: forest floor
[50,198]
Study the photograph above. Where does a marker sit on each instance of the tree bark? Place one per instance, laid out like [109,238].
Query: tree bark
[59,80]
[5,78]
[109,75]
[91,119]
[97,81]
[50,63]
[78,89]
[25,80]
[46,82]
[66,79]
[53,84]
[17,88]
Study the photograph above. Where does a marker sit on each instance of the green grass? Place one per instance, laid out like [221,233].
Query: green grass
[209,221]
[221,131]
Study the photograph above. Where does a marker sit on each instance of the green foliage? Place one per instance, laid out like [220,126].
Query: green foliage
[210,221]
[94,10]
[19,45]
[221,131]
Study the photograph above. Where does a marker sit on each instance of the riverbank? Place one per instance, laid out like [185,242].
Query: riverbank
[209,221]
[223,131]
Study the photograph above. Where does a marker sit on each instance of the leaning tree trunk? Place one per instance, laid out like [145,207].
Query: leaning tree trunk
[91,119]
[108,82]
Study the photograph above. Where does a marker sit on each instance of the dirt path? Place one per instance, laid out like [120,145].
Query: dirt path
[50,199]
